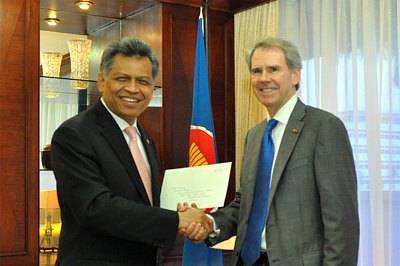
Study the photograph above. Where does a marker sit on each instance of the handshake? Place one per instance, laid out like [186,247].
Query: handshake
[194,223]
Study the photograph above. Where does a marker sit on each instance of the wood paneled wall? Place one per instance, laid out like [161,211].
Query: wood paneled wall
[19,141]
[179,37]
[179,53]
[146,25]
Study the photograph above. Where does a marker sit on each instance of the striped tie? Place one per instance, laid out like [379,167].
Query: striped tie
[139,161]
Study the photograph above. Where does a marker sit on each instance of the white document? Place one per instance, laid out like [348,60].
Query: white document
[204,185]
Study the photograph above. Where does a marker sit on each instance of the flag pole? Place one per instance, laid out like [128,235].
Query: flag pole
[202,143]
[206,7]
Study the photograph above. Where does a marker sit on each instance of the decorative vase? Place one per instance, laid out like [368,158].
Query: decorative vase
[51,63]
[79,50]
[46,160]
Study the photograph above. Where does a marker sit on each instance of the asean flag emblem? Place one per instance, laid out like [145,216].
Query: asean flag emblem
[202,151]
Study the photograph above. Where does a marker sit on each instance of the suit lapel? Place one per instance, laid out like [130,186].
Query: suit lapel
[114,136]
[250,165]
[290,137]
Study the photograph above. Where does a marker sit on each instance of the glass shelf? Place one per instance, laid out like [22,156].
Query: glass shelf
[60,90]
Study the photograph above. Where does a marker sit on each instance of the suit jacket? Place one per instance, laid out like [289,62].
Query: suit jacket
[106,214]
[312,216]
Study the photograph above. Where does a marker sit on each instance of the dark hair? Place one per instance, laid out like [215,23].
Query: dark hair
[292,56]
[128,46]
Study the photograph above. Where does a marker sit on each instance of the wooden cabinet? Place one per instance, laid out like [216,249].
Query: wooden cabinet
[19,149]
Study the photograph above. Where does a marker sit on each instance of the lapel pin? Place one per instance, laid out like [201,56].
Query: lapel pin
[295,131]
[148,141]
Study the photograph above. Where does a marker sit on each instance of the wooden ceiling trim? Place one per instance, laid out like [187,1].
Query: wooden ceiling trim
[103,12]
[228,6]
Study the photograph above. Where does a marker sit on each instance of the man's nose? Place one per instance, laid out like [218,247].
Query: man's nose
[265,76]
[132,86]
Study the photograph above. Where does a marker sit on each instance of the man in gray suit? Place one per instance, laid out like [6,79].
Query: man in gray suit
[312,215]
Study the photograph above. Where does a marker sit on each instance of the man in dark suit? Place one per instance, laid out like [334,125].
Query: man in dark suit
[110,213]
[312,211]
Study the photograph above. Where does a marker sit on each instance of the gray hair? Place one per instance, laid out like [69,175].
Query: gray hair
[292,56]
[131,47]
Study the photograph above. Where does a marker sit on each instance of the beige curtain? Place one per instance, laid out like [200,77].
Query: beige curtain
[250,26]
[350,52]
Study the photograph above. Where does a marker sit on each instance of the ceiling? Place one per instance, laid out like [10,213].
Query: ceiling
[103,12]
[77,21]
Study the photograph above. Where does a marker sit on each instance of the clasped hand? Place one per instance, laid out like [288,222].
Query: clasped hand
[193,223]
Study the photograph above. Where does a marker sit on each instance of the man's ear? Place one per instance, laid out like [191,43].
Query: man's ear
[100,82]
[296,76]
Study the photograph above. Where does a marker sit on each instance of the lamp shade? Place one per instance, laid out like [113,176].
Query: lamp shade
[49,199]
[51,63]
[79,50]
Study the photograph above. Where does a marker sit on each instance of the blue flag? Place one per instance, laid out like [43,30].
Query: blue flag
[202,146]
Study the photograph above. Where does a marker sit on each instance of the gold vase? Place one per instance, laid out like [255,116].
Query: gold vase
[79,50]
[51,63]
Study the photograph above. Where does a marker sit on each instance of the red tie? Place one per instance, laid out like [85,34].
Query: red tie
[139,160]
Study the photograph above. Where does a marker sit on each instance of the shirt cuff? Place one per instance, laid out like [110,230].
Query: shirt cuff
[217,231]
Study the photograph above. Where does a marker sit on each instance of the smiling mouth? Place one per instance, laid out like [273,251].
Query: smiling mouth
[130,100]
[268,89]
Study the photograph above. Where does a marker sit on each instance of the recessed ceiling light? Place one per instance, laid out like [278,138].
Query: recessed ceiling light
[84,4]
[52,21]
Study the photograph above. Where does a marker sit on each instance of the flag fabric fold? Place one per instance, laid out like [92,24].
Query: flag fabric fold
[202,146]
